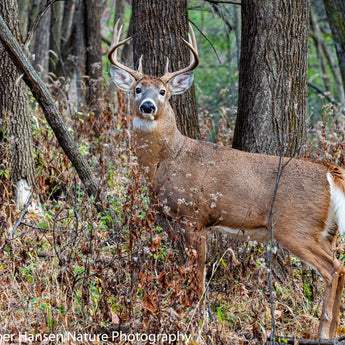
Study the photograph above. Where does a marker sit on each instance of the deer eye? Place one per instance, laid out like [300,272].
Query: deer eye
[138,90]
[162,92]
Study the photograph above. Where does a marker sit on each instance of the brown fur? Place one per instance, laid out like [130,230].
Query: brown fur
[206,185]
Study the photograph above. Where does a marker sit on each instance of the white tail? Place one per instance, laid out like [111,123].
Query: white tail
[207,185]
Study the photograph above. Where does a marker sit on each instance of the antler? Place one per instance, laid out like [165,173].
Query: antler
[194,59]
[112,54]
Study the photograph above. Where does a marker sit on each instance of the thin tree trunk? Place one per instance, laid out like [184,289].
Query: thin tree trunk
[317,36]
[67,15]
[315,28]
[94,84]
[158,27]
[34,9]
[336,17]
[273,76]
[14,113]
[80,50]
[41,43]
[24,10]
[55,36]
[67,43]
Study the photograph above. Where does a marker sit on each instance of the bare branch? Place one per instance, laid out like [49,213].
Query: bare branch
[292,341]
[224,2]
[328,97]
[207,39]
[33,29]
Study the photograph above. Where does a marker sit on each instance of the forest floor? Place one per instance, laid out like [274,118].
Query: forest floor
[78,277]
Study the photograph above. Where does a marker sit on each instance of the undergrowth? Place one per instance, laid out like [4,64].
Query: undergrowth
[72,271]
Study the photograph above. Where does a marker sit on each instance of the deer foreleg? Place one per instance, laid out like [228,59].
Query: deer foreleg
[196,239]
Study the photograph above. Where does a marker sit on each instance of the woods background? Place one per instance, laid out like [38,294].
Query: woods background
[271,80]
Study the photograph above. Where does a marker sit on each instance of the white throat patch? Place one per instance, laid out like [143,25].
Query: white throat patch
[144,124]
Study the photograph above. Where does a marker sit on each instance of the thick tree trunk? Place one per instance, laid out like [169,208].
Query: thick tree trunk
[336,17]
[157,30]
[273,76]
[15,117]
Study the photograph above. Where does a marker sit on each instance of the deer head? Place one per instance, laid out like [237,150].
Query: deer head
[151,94]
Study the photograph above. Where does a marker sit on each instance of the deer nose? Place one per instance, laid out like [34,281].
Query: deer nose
[147,107]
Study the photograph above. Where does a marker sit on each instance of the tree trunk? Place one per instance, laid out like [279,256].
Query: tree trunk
[55,36]
[158,27]
[64,67]
[67,15]
[15,117]
[24,10]
[34,9]
[273,76]
[78,30]
[94,82]
[41,43]
[317,35]
[336,17]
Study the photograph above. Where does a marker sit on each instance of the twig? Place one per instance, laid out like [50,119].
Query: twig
[224,2]
[331,100]
[289,340]
[106,40]
[35,227]
[22,214]
[215,267]
[33,29]
[207,39]
[269,246]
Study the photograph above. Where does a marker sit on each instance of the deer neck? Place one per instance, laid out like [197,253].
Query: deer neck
[156,140]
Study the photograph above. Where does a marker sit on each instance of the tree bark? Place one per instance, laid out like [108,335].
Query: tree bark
[41,43]
[55,36]
[94,83]
[24,10]
[318,38]
[157,30]
[273,77]
[14,113]
[52,114]
[336,17]
[67,15]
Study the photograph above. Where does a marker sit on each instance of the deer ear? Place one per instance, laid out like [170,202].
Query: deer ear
[181,83]
[122,79]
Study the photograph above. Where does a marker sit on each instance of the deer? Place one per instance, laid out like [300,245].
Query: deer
[207,186]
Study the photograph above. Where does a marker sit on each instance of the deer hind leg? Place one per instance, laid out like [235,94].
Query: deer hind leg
[339,280]
[332,274]
[332,300]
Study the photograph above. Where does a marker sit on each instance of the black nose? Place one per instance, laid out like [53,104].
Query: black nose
[147,107]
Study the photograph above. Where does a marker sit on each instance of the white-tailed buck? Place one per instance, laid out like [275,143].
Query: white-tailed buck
[205,185]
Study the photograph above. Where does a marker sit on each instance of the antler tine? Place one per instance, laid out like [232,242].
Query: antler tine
[194,58]
[112,54]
